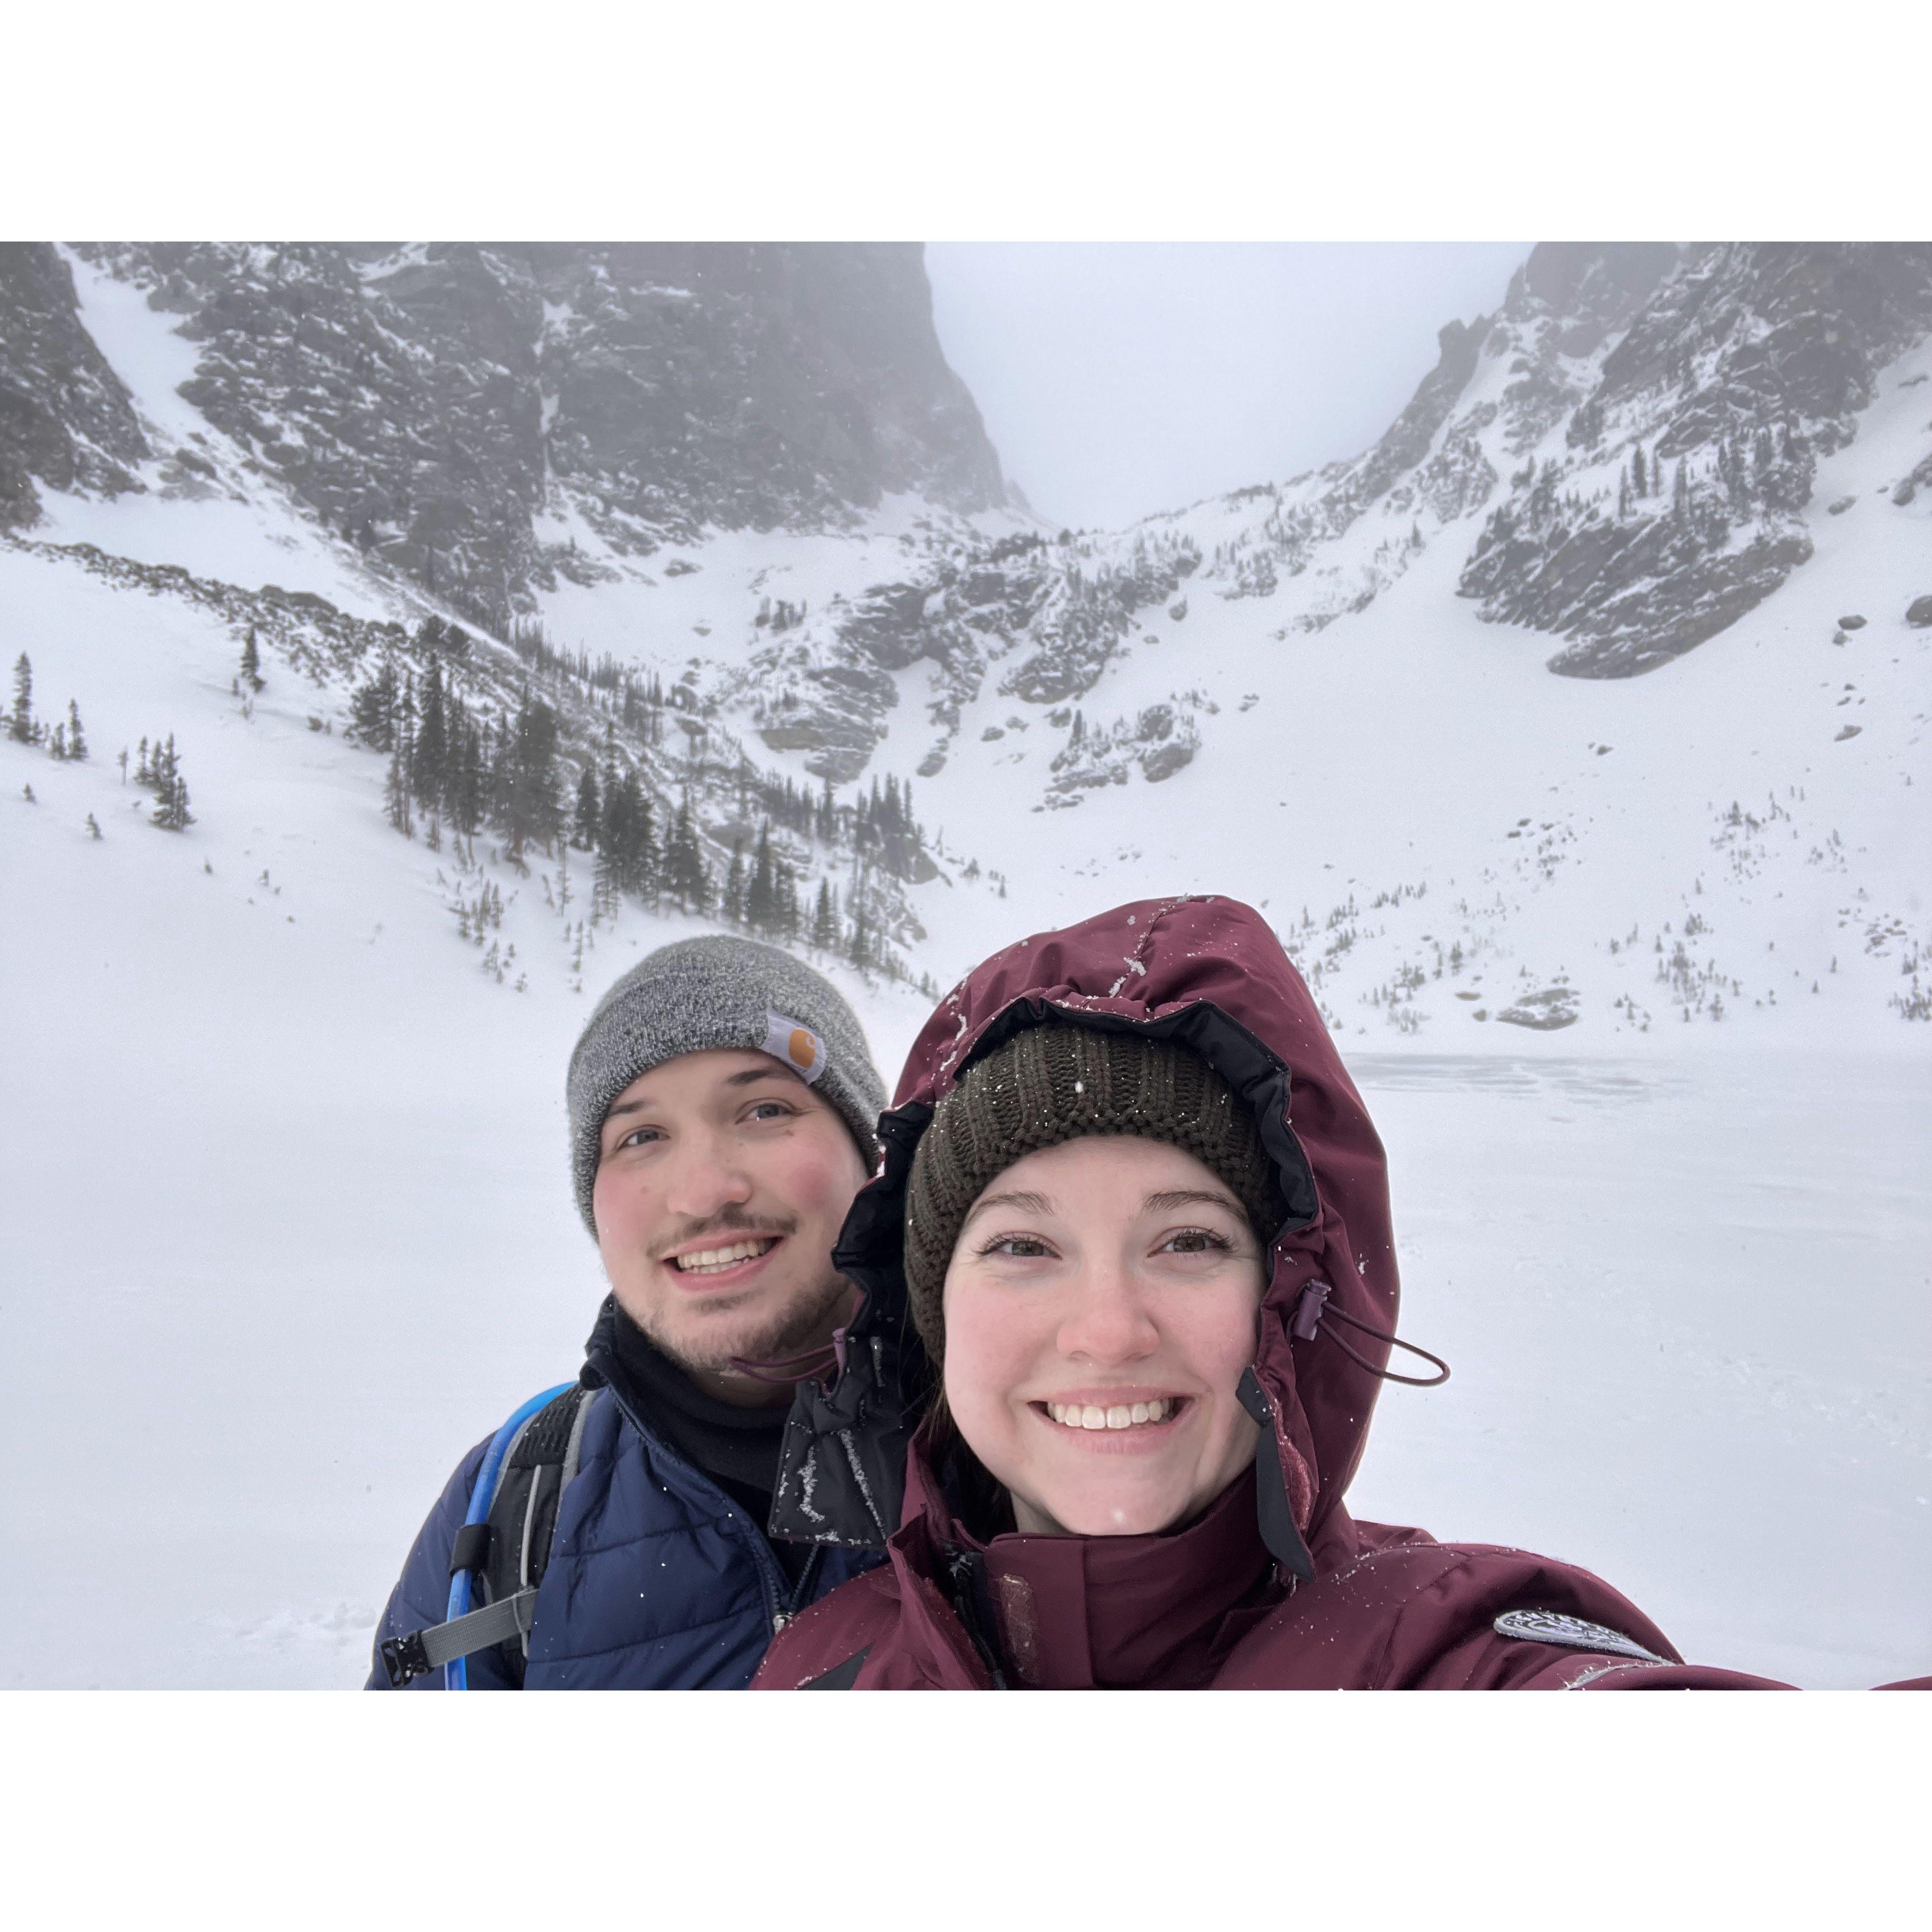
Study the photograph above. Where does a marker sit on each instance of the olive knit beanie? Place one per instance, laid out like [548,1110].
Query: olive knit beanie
[1061,1082]
[719,991]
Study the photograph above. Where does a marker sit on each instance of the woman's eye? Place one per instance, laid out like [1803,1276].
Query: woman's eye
[1197,1241]
[1024,1245]
[639,1136]
[772,1110]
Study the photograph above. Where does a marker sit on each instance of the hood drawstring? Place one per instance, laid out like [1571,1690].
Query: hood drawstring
[1312,1310]
[813,1365]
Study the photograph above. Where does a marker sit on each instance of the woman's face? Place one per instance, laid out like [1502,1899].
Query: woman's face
[1100,1307]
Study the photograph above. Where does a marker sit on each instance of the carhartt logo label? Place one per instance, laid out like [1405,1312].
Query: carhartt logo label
[796,1045]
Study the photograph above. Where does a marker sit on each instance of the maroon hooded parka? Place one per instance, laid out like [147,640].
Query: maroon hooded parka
[1275,1586]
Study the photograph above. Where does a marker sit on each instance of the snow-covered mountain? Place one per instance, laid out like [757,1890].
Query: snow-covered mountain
[723,519]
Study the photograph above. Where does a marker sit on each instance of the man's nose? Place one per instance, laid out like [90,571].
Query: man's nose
[704,1177]
[1109,1322]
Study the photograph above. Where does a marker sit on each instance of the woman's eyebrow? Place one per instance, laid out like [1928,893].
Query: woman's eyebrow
[1026,1203]
[1189,1197]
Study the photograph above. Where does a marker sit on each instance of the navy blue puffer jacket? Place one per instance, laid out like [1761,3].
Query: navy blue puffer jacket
[658,1580]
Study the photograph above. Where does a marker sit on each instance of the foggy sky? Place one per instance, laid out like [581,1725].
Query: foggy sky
[1118,379]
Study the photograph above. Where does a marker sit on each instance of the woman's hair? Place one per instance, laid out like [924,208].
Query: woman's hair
[978,1497]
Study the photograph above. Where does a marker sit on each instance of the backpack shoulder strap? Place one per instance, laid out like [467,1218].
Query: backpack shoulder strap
[508,1551]
[541,1462]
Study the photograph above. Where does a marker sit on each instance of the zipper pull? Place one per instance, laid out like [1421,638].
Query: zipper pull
[780,1618]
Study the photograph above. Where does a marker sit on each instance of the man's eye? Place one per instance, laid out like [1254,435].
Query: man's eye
[772,1110]
[640,1137]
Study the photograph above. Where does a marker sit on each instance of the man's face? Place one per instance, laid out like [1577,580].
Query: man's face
[722,1182]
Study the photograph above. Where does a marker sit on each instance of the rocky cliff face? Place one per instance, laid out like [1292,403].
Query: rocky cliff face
[65,418]
[1671,507]
[463,411]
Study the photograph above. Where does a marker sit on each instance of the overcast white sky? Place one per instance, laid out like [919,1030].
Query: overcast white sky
[1118,379]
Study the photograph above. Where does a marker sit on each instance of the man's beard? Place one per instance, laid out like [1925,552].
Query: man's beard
[714,1342]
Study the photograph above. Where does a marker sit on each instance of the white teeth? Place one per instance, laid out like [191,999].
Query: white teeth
[1120,1415]
[706,1260]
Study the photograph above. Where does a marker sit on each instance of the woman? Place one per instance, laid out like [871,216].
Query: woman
[1138,1217]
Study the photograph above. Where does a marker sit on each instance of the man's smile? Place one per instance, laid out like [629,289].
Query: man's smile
[717,1260]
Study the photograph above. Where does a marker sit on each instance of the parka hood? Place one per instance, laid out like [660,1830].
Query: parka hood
[1209,972]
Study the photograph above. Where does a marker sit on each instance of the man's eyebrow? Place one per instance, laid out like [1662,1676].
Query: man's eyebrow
[772,1071]
[1190,1197]
[1027,1204]
[751,1075]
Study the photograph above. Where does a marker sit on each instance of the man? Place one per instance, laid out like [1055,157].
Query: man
[722,1103]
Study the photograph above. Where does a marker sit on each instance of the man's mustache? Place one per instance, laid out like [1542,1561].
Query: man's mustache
[728,1220]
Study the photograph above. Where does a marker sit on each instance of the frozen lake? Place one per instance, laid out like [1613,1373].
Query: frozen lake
[264,1285]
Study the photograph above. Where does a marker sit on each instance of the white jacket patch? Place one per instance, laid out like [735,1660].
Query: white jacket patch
[795,1043]
[1573,1633]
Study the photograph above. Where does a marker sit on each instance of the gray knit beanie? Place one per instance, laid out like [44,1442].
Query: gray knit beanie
[719,991]
[1060,1082]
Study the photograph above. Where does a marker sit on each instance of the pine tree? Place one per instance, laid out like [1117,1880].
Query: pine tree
[685,879]
[786,916]
[396,797]
[761,901]
[860,951]
[20,726]
[171,813]
[429,752]
[76,740]
[583,826]
[1639,483]
[251,661]
[529,777]
[93,829]
[732,909]
[372,709]
[825,918]
[144,770]
[1680,494]
[627,855]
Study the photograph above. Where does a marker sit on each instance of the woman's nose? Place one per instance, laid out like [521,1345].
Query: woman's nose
[1109,1322]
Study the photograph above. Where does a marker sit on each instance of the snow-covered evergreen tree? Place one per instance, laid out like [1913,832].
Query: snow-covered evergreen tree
[20,725]
[825,918]
[685,878]
[171,813]
[733,906]
[584,823]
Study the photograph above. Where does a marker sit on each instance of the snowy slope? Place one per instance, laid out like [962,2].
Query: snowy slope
[285,1213]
